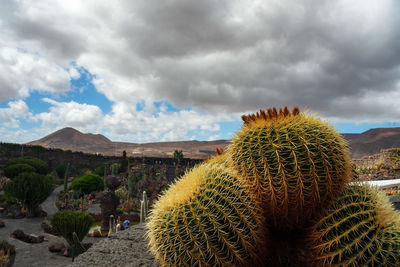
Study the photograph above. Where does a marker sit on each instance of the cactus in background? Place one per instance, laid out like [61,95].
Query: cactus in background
[144,208]
[294,163]
[112,169]
[360,229]
[66,178]
[131,183]
[207,218]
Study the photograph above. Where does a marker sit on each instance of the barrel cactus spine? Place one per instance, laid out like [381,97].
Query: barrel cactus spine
[361,228]
[206,219]
[294,163]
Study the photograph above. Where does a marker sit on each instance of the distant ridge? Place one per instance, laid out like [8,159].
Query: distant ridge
[366,143]
[372,141]
[72,139]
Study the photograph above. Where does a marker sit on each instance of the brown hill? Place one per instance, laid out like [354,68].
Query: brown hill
[71,139]
[372,141]
[366,143]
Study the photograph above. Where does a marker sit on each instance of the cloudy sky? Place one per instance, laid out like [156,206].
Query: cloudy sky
[150,70]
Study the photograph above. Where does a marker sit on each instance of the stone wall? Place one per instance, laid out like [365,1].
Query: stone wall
[79,160]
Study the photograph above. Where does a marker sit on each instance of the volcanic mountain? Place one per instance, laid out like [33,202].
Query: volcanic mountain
[71,139]
[372,141]
[366,143]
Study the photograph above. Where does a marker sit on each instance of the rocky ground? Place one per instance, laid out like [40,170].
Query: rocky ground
[127,248]
[36,254]
[32,254]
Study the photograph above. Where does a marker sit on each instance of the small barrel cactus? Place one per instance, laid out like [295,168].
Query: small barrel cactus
[360,229]
[206,218]
[294,163]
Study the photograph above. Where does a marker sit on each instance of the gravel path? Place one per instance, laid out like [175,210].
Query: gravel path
[49,205]
[32,254]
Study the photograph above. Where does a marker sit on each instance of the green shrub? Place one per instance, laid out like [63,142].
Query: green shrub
[30,189]
[88,183]
[68,223]
[40,166]
[14,169]
[5,246]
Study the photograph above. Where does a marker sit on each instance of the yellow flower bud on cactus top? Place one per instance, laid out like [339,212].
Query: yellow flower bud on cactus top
[206,219]
[360,229]
[294,163]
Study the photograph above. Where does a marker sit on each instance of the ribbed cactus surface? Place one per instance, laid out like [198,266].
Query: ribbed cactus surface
[206,219]
[294,163]
[360,229]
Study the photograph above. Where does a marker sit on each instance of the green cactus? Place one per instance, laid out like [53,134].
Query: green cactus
[360,229]
[294,163]
[207,218]
[77,247]
[73,226]
[66,178]
[144,208]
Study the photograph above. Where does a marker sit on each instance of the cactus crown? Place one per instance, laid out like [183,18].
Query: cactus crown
[181,191]
[270,114]
[294,163]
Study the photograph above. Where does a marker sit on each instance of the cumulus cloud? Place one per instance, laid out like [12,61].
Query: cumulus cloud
[162,125]
[340,59]
[22,72]
[9,117]
[84,117]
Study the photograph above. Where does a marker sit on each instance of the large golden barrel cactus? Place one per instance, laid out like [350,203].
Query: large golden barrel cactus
[360,229]
[207,218]
[294,163]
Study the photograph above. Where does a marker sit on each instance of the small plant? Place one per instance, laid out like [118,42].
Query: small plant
[73,226]
[122,193]
[5,246]
[364,170]
[88,183]
[30,189]
[4,258]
